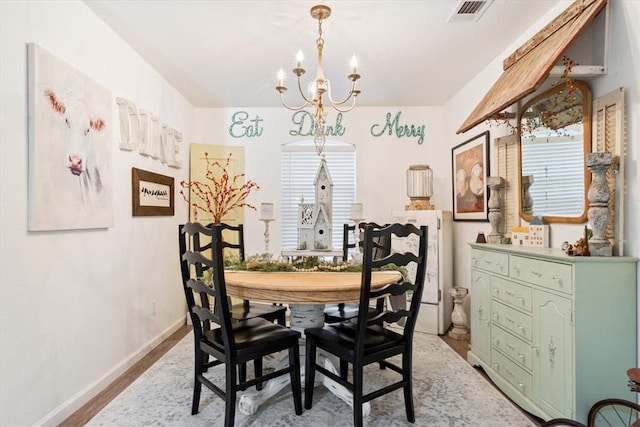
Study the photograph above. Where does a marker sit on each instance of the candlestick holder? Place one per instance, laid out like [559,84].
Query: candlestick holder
[266,237]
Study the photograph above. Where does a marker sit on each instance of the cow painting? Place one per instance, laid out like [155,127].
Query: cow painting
[70,156]
[80,127]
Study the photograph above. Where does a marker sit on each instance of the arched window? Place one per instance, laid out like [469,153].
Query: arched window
[299,164]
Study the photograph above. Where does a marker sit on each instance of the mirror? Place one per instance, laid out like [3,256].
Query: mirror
[554,131]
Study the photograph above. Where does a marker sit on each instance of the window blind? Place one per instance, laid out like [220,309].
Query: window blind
[299,165]
[557,166]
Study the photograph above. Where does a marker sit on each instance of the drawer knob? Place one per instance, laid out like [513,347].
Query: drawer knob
[516,269]
[510,346]
[537,273]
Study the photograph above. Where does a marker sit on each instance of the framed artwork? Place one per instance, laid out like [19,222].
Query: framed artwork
[70,166]
[470,168]
[152,194]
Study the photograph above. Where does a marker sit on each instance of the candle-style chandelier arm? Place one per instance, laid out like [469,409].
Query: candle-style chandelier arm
[282,89]
[353,93]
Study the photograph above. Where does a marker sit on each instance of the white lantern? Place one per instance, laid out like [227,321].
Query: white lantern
[419,187]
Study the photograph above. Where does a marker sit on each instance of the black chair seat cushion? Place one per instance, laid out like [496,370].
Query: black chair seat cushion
[268,311]
[343,335]
[255,333]
[334,313]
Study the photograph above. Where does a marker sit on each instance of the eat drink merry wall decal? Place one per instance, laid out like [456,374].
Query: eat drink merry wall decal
[243,126]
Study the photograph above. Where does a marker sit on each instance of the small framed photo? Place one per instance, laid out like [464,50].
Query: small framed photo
[152,194]
[470,168]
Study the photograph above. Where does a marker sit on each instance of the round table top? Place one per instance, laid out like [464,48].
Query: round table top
[297,287]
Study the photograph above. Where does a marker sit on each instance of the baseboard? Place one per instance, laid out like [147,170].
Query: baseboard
[71,405]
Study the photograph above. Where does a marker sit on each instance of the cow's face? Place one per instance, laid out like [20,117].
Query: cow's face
[79,125]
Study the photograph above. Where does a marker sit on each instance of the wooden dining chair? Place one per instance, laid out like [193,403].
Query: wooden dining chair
[229,341]
[271,312]
[364,340]
[334,313]
[248,310]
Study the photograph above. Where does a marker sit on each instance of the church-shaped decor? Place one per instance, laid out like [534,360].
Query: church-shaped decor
[314,219]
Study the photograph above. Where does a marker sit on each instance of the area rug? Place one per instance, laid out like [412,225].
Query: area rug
[448,392]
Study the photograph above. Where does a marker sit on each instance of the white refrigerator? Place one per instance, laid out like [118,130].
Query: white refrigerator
[434,316]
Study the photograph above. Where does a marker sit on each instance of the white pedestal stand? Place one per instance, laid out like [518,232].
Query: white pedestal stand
[458,316]
[302,317]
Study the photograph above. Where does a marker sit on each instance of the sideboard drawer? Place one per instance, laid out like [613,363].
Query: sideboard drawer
[494,262]
[512,293]
[549,274]
[517,350]
[512,320]
[511,372]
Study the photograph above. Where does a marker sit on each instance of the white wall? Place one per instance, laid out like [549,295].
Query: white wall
[76,306]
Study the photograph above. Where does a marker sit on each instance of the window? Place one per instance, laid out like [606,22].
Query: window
[558,175]
[299,164]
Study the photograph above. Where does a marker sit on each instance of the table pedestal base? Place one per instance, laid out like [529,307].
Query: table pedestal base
[302,316]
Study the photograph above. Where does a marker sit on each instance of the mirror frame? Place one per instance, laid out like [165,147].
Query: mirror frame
[586,127]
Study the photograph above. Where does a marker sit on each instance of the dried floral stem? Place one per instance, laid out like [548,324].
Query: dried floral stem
[221,194]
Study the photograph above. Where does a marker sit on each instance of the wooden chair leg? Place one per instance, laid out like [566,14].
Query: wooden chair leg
[197,385]
[296,387]
[230,395]
[242,372]
[408,388]
[257,371]
[344,369]
[282,319]
[309,372]
[357,395]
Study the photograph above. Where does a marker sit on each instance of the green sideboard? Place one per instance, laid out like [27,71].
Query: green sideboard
[555,333]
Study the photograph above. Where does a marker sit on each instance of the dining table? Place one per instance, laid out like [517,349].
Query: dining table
[306,293]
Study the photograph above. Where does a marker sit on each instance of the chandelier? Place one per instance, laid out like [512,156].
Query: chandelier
[317,88]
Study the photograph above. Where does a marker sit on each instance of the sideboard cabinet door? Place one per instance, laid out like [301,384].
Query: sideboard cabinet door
[553,353]
[480,310]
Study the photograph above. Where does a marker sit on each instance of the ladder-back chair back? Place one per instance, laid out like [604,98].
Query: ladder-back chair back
[227,340]
[365,339]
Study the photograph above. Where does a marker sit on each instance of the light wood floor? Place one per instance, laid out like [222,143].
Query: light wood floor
[95,405]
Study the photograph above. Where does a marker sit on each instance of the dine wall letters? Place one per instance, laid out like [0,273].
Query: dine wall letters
[140,130]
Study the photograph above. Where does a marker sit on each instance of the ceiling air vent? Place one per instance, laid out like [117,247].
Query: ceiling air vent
[469,10]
